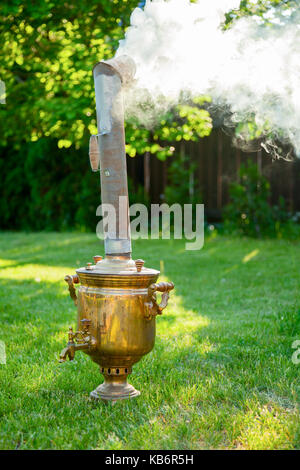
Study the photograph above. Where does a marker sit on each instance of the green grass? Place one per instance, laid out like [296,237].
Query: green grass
[220,375]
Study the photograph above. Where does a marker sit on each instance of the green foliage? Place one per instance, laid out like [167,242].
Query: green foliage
[137,194]
[184,122]
[259,8]
[250,130]
[249,211]
[46,189]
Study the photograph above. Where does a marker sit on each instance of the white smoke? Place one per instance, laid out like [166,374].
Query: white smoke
[180,49]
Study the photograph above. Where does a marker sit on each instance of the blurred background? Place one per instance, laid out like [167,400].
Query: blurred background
[48,52]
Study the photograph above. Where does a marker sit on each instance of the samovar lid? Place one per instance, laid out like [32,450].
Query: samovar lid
[117,273]
[113,265]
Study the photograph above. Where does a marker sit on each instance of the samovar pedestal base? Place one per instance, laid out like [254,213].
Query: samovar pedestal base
[114,387]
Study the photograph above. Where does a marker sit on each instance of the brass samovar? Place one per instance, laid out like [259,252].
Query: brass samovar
[116,299]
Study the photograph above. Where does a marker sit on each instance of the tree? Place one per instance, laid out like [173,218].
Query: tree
[49,50]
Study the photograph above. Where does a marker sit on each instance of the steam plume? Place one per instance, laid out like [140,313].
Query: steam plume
[250,70]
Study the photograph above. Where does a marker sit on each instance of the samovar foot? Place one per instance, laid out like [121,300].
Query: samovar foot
[115,386]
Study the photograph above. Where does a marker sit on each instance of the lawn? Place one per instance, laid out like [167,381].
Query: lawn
[220,376]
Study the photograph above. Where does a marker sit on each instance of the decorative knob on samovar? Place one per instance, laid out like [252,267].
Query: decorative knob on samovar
[139,264]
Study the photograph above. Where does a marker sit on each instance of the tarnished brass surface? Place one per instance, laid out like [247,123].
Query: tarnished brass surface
[116,323]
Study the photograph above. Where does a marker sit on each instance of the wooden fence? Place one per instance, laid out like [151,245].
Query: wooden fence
[217,164]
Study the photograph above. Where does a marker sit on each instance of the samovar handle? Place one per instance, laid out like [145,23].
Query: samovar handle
[152,307]
[71,280]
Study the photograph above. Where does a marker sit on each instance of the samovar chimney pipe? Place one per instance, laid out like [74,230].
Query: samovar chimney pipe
[109,76]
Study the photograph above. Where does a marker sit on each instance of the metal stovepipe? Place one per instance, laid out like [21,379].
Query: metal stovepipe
[109,76]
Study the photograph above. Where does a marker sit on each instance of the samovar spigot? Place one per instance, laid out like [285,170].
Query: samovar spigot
[78,341]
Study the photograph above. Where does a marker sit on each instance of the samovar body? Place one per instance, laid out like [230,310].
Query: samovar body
[117,309]
[116,322]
